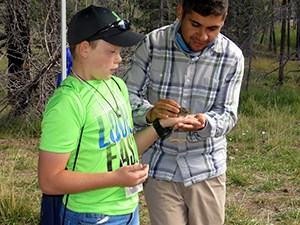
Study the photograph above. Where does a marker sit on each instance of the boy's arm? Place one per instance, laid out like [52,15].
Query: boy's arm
[54,179]
[145,138]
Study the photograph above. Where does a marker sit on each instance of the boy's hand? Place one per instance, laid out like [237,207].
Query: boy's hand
[130,176]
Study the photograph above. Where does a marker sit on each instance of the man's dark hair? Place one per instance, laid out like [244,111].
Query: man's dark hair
[206,7]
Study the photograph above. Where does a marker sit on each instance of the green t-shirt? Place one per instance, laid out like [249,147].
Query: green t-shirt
[107,141]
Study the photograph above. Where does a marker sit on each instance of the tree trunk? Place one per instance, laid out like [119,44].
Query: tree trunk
[17,44]
[274,40]
[272,37]
[298,29]
[161,12]
[288,40]
[251,31]
[282,43]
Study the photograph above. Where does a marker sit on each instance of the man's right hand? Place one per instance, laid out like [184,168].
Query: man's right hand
[163,109]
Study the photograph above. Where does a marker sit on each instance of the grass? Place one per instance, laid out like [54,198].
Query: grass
[19,202]
[264,156]
[263,178]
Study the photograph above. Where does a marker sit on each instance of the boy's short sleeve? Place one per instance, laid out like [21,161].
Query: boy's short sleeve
[62,122]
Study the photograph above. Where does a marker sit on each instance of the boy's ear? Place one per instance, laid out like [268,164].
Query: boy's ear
[179,12]
[83,49]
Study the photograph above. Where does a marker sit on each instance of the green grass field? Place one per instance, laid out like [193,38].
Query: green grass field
[263,178]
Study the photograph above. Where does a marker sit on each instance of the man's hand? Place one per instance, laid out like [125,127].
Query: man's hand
[163,109]
[177,123]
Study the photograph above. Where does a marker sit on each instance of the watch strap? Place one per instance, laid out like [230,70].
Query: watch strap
[162,132]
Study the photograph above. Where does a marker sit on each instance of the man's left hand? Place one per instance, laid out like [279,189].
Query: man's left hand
[193,127]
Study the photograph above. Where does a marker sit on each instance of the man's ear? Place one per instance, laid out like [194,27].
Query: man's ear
[83,49]
[179,12]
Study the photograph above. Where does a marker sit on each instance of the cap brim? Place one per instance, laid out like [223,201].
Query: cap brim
[121,38]
[125,38]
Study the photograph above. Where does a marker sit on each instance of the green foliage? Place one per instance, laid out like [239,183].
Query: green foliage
[262,44]
[266,98]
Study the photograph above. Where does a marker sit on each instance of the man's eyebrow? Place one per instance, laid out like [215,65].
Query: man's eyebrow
[199,24]
[193,21]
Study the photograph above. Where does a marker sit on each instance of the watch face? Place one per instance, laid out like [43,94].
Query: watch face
[183,111]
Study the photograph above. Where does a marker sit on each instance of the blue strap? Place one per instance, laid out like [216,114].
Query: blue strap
[69,67]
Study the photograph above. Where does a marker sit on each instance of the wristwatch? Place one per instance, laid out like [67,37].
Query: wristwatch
[162,132]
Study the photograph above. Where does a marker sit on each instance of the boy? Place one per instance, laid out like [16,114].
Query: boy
[91,112]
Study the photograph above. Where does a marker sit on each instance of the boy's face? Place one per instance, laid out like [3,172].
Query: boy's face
[199,31]
[102,60]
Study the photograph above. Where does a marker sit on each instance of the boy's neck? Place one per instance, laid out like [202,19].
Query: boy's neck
[80,70]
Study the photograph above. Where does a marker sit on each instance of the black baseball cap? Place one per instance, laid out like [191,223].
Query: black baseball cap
[94,23]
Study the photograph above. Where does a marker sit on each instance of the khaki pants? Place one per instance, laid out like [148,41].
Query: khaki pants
[171,203]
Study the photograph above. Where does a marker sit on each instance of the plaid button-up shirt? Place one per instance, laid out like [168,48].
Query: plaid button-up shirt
[206,83]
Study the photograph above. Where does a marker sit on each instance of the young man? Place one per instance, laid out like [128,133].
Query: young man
[90,111]
[188,64]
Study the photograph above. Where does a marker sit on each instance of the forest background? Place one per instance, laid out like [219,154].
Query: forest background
[263,149]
